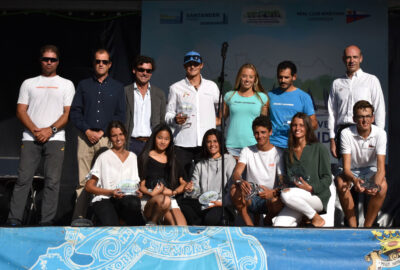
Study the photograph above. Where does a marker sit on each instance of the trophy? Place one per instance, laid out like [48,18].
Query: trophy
[369,181]
[294,174]
[128,187]
[206,199]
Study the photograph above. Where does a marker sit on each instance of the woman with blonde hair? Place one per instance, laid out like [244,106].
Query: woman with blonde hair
[242,105]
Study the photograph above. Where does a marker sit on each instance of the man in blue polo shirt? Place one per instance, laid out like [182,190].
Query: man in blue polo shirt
[98,100]
[285,102]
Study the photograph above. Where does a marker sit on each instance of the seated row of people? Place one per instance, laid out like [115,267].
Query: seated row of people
[285,185]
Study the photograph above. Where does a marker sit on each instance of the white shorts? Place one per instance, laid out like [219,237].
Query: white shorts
[145,198]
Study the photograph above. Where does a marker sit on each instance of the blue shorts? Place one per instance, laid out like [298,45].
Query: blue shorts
[258,205]
[362,173]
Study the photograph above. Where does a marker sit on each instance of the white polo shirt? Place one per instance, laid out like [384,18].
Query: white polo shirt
[46,98]
[262,167]
[363,151]
[347,91]
[199,105]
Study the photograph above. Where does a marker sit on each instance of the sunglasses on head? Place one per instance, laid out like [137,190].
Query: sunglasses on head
[149,71]
[47,59]
[105,62]
[195,58]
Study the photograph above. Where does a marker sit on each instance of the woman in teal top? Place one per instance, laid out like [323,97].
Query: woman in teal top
[308,170]
[242,106]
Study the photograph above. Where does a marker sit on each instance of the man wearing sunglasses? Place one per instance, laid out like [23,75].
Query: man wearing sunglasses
[355,85]
[99,99]
[145,104]
[43,108]
[191,110]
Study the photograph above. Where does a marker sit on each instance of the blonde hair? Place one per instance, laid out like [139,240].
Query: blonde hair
[257,87]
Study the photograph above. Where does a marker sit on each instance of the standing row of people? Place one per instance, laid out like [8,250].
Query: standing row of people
[190,112]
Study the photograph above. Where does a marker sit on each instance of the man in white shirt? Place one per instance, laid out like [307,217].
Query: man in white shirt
[191,110]
[263,163]
[145,104]
[363,147]
[346,91]
[43,108]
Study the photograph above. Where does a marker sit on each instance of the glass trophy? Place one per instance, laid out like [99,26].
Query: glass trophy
[294,174]
[254,190]
[128,187]
[206,199]
[369,181]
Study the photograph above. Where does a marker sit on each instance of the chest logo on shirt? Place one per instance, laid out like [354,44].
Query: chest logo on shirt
[186,94]
[271,165]
[47,87]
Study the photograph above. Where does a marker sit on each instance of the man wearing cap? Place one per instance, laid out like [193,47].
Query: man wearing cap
[355,85]
[43,108]
[145,104]
[191,110]
[98,100]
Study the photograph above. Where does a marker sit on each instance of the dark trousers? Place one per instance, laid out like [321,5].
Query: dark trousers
[109,211]
[338,139]
[187,158]
[136,146]
[191,209]
[31,154]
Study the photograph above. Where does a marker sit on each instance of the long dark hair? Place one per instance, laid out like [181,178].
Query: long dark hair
[172,166]
[222,149]
[310,135]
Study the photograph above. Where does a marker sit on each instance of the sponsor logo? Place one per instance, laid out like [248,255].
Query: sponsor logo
[354,15]
[264,16]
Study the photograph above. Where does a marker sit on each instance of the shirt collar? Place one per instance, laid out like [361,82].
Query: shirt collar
[105,80]
[189,84]
[357,74]
[137,89]
[354,131]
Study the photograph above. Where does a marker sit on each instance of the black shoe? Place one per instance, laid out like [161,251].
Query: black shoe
[12,222]
[82,222]
[46,224]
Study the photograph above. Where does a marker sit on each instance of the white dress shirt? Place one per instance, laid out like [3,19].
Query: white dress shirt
[347,91]
[198,104]
[142,113]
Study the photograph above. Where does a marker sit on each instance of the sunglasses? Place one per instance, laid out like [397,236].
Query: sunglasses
[149,71]
[195,58]
[189,64]
[105,62]
[47,59]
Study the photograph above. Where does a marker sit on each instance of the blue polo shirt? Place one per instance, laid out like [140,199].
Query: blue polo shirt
[96,104]
[282,107]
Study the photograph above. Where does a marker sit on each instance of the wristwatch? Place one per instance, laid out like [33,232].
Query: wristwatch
[53,129]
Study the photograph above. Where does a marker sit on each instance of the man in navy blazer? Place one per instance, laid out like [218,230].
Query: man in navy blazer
[145,104]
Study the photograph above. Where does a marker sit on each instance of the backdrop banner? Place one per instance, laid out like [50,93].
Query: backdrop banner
[312,34]
[172,247]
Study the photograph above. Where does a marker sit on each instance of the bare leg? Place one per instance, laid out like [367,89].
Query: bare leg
[317,221]
[346,200]
[175,217]
[274,207]
[156,208]
[240,204]
[375,204]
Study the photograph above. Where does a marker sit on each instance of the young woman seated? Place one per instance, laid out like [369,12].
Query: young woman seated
[113,169]
[308,170]
[207,177]
[161,179]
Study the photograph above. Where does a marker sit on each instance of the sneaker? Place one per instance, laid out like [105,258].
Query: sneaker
[13,222]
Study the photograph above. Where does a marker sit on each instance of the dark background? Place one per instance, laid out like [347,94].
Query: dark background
[78,29]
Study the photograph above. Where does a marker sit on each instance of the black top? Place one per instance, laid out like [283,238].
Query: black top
[96,104]
[159,172]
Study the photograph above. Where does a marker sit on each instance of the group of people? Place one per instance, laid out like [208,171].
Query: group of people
[143,159]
